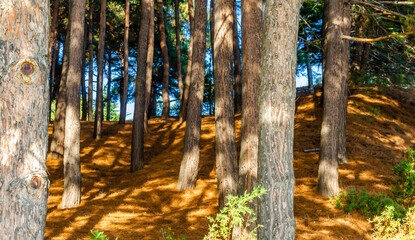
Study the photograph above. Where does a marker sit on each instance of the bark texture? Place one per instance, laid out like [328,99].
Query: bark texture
[226,158]
[190,160]
[178,54]
[108,116]
[149,67]
[166,66]
[276,119]
[83,88]
[186,87]
[123,112]
[53,45]
[335,81]
[237,64]
[24,105]
[137,142]
[91,62]
[101,47]
[71,159]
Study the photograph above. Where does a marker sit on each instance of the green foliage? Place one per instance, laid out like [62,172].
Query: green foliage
[375,111]
[232,215]
[99,235]
[169,234]
[369,205]
[52,110]
[386,226]
[404,187]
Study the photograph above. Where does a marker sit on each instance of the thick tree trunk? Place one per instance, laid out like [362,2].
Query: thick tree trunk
[56,145]
[190,160]
[91,63]
[71,159]
[109,88]
[186,88]
[24,102]
[83,89]
[236,64]
[252,15]
[178,57]
[335,80]
[124,94]
[101,46]
[166,66]
[149,67]
[137,142]
[276,119]
[226,158]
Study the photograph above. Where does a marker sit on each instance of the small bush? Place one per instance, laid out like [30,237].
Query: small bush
[404,187]
[375,111]
[169,234]
[98,236]
[386,227]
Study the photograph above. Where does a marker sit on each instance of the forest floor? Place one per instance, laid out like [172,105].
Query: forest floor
[381,126]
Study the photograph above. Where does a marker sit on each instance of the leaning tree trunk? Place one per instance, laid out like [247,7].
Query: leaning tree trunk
[149,67]
[186,87]
[91,62]
[71,158]
[178,57]
[226,158]
[276,119]
[334,84]
[24,103]
[124,94]
[101,48]
[237,64]
[166,66]
[108,117]
[190,160]
[137,141]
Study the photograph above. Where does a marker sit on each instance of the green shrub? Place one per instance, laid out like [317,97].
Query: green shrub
[404,187]
[386,227]
[375,111]
[98,236]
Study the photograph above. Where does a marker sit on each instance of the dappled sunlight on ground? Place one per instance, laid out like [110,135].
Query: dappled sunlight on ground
[137,205]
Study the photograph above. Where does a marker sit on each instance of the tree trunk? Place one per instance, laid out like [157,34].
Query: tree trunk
[56,145]
[365,57]
[190,160]
[212,49]
[101,47]
[124,94]
[24,102]
[236,64]
[137,142]
[91,63]
[53,46]
[166,65]
[71,159]
[55,59]
[109,88]
[84,101]
[252,15]
[276,119]
[226,158]
[183,103]
[179,61]
[335,80]
[149,67]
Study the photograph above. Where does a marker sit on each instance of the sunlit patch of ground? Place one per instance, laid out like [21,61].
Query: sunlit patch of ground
[137,205]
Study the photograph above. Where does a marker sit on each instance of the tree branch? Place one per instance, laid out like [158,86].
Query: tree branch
[396,3]
[379,8]
[369,40]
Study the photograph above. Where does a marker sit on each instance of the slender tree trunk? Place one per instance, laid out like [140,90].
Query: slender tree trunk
[55,59]
[24,102]
[56,145]
[91,63]
[84,101]
[166,66]
[179,61]
[237,64]
[71,159]
[137,142]
[276,119]
[226,158]
[252,15]
[212,49]
[190,160]
[365,57]
[309,74]
[109,88]
[149,66]
[183,103]
[101,48]
[53,49]
[124,94]
[335,81]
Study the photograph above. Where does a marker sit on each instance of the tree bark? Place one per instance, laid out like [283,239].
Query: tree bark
[56,145]
[91,63]
[276,119]
[71,159]
[149,67]
[166,66]
[101,47]
[190,161]
[183,103]
[137,142]
[335,81]
[237,64]
[53,48]
[179,61]
[24,103]
[226,158]
[84,101]
[109,87]
[124,94]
